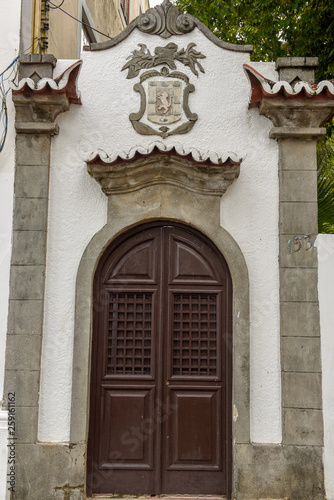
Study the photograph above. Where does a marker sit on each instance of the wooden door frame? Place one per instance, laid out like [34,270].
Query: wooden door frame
[187,233]
[122,218]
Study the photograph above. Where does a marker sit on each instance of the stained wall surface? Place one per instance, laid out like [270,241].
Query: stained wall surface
[249,209]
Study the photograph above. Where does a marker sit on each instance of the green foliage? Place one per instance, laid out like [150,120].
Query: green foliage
[326,185]
[282,28]
[275,28]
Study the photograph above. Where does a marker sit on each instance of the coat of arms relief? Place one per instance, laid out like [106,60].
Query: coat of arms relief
[164,108]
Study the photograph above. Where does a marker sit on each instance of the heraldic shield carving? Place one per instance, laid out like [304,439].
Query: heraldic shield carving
[164,108]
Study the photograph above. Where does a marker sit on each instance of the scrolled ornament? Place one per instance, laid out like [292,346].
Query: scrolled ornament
[165,20]
[185,23]
[148,22]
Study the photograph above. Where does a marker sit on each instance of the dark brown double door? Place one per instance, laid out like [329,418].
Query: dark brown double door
[160,410]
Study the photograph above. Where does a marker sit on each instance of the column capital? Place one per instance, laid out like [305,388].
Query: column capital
[38,103]
[36,66]
[303,133]
[294,69]
[300,106]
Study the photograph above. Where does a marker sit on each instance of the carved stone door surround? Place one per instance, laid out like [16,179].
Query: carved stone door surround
[160,390]
[172,184]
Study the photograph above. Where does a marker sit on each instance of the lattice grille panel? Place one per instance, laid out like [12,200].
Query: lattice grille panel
[195,334]
[129,333]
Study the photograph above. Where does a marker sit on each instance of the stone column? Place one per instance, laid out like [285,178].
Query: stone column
[298,228]
[27,277]
[297,112]
[300,341]
[36,112]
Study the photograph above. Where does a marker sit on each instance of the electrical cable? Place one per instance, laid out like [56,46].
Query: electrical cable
[3,112]
[8,67]
[78,20]
[58,6]
[14,68]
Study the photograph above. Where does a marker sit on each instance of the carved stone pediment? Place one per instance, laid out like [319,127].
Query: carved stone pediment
[166,20]
[161,164]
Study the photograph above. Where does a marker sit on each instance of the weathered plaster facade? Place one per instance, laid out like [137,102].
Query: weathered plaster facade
[61,227]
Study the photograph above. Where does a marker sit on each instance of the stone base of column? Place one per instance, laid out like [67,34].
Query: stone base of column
[278,471]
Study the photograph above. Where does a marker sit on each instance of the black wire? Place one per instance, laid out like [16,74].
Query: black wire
[85,24]
[5,115]
[58,6]
[14,70]
[13,66]
[8,67]
[35,40]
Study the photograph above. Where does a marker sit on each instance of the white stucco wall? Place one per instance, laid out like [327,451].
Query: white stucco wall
[325,244]
[9,44]
[250,213]
[78,209]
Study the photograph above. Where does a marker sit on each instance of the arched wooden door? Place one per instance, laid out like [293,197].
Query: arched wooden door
[160,398]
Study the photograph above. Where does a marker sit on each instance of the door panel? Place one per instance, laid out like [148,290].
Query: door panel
[194,429]
[125,419]
[190,261]
[125,448]
[136,265]
[160,400]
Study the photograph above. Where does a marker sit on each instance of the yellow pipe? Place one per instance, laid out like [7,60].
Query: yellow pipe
[36,27]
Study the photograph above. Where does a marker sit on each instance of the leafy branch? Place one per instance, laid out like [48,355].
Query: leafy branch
[143,59]
[189,57]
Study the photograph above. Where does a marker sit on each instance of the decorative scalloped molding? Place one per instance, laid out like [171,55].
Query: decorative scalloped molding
[166,20]
[66,83]
[263,87]
[158,164]
[180,150]
[299,109]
